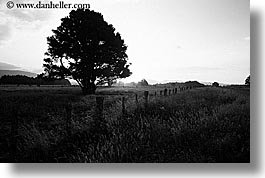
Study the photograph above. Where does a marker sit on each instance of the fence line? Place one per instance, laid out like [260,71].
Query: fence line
[98,113]
[146,95]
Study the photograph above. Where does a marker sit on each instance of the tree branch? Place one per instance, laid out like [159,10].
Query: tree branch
[66,69]
[79,83]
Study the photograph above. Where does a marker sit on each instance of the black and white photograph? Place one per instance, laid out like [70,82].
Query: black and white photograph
[125,81]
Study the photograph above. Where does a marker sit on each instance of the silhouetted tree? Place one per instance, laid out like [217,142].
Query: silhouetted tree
[247,81]
[215,84]
[86,48]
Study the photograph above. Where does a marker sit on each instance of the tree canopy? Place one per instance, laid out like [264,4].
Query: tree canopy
[215,84]
[143,82]
[87,49]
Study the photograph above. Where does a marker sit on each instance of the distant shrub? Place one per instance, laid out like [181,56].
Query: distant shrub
[143,82]
[247,81]
[215,84]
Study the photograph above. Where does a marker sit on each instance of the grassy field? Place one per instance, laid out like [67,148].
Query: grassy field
[198,125]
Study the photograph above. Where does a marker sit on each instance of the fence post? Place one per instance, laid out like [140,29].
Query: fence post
[123,105]
[99,107]
[146,98]
[68,110]
[100,124]
[165,92]
[14,132]
[136,99]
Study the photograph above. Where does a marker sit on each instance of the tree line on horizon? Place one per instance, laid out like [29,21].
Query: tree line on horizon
[25,80]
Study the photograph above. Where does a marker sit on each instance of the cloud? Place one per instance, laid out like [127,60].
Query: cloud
[247,38]
[17,19]
[198,70]
[6,66]
[5,32]
[20,20]
[27,14]
[201,68]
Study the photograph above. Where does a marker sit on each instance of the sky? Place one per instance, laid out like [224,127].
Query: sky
[168,40]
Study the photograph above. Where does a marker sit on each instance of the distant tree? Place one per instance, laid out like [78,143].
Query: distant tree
[133,84]
[247,81]
[215,84]
[86,48]
[111,81]
[25,80]
[194,84]
[40,76]
[17,80]
[120,83]
[143,82]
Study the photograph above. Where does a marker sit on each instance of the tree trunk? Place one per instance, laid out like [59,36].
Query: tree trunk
[89,89]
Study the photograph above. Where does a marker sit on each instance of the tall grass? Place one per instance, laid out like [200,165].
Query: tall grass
[200,125]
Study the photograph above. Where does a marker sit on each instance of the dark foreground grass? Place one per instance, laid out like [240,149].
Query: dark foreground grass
[200,125]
